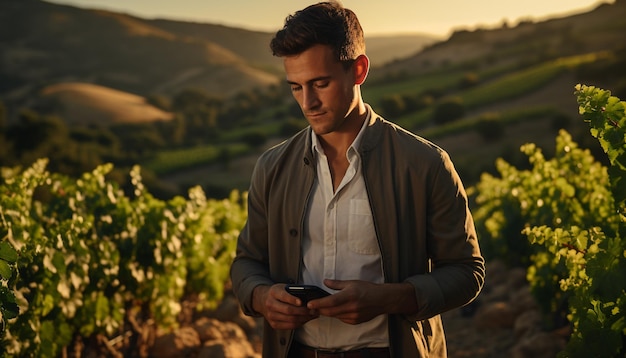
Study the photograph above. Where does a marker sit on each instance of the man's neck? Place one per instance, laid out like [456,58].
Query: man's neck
[338,142]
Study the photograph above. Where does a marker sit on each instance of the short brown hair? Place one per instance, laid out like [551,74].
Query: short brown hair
[325,23]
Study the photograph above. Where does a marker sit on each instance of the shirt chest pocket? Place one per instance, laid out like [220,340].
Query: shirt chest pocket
[361,234]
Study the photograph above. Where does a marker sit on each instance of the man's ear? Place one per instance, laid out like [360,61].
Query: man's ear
[361,68]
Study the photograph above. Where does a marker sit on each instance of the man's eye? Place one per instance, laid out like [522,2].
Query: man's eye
[295,88]
[323,84]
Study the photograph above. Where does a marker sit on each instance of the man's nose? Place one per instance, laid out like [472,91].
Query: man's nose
[310,99]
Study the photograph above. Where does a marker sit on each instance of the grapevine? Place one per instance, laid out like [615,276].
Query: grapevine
[567,215]
[79,257]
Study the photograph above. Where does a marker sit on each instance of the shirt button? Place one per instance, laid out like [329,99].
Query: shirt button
[293,232]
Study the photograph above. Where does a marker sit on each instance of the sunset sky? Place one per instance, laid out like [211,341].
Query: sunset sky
[436,17]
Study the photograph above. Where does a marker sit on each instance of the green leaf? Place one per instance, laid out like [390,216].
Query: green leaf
[8,306]
[7,252]
[5,270]
[10,310]
[102,308]
[47,305]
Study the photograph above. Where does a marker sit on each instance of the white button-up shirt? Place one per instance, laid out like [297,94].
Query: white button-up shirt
[340,243]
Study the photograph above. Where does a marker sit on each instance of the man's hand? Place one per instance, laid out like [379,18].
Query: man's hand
[360,301]
[280,309]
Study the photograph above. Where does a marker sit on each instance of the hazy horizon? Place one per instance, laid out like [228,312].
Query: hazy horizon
[378,18]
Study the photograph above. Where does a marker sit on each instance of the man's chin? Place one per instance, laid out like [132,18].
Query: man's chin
[319,131]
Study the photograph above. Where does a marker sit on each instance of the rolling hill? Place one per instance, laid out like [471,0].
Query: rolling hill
[98,64]
[44,43]
[85,103]
[600,29]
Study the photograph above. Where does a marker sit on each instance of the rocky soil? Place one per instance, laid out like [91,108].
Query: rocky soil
[503,322]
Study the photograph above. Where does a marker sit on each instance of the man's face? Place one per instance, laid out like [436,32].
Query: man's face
[324,89]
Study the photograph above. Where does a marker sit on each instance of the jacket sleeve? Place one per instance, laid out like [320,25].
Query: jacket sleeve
[250,268]
[458,270]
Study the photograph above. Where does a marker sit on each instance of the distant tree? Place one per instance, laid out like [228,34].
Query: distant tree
[490,126]
[468,80]
[70,151]
[200,112]
[178,130]
[448,110]
[392,105]
[34,133]
[193,99]
[434,93]
[241,108]
[99,140]
[138,140]
[202,125]
[291,126]
[255,138]
[160,101]
[416,102]
[526,21]
[294,110]
[275,94]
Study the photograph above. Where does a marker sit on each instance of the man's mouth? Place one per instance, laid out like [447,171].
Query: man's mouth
[315,115]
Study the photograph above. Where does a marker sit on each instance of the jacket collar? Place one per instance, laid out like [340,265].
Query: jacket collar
[372,132]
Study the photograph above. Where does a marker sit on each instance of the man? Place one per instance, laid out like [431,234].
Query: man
[356,205]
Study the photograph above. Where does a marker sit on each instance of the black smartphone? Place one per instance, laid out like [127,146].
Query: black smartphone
[306,292]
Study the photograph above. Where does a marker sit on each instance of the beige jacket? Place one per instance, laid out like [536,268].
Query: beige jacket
[421,216]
